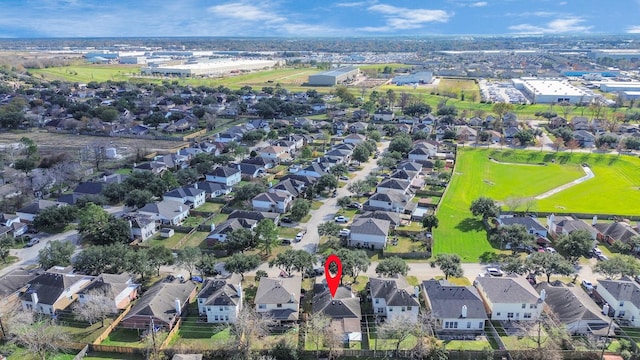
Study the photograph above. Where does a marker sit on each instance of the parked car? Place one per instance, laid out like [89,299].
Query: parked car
[355,205]
[299,236]
[602,257]
[588,286]
[549,249]
[32,242]
[345,232]
[314,272]
[335,194]
[344,178]
[494,271]
[341,219]
[286,220]
[286,242]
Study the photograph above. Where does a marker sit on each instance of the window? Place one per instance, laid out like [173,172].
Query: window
[621,313]
[468,324]
[262,306]
[480,325]
[215,318]
[377,301]
[621,303]
[221,308]
[510,315]
[455,324]
[527,315]
[226,318]
[524,306]
[497,314]
[409,308]
[380,310]
[403,309]
[532,306]
[390,309]
[279,305]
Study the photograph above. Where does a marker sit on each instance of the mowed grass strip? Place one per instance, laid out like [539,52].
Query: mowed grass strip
[614,190]
[475,175]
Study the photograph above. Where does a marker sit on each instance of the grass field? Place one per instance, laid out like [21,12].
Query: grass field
[613,189]
[87,73]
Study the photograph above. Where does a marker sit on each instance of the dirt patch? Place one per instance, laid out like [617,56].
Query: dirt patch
[488,182]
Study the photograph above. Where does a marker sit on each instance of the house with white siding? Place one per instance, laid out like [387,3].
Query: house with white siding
[224,175]
[279,297]
[623,298]
[220,300]
[369,233]
[188,195]
[455,308]
[394,297]
[510,298]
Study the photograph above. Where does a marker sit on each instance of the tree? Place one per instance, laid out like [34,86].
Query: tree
[558,144]
[139,264]
[56,253]
[306,153]
[241,263]
[207,265]
[577,243]
[525,137]
[315,330]
[353,263]
[160,255]
[397,329]
[402,144]
[109,259]
[250,325]
[361,153]
[514,265]
[391,266]
[299,209]
[289,260]
[430,222]
[339,169]
[55,217]
[549,264]
[41,337]
[248,191]
[358,187]
[344,201]
[138,198]
[240,239]
[484,206]
[326,182]
[516,235]
[26,165]
[187,176]
[5,250]
[101,228]
[266,235]
[502,108]
[618,265]
[188,259]
[386,162]
[449,264]
[97,306]
[329,228]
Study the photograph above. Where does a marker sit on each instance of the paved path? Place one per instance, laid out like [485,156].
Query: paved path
[588,175]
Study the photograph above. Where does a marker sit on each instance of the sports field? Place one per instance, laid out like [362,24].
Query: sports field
[613,190]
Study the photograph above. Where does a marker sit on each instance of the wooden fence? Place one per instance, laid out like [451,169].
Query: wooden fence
[82,353]
[112,326]
[171,334]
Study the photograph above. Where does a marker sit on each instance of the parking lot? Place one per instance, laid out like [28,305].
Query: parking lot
[501,92]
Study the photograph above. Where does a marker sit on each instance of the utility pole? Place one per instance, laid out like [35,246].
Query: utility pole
[604,346]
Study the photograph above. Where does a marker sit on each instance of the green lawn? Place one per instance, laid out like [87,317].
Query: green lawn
[475,175]
[467,344]
[210,207]
[169,242]
[124,337]
[87,73]
[112,356]
[197,239]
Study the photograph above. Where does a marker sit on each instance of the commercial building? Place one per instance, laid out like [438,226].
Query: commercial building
[212,67]
[614,54]
[551,90]
[333,77]
[619,86]
[421,77]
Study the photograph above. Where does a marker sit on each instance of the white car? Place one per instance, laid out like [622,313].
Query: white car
[494,271]
[588,286]
[345,232]
[550,249]
[341,219]
[299,236]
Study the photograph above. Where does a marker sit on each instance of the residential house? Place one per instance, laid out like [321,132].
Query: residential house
[117,287]
[455,308]
[532,225]
[161,305]
[143,227]
[394,298]
[250,171]
[294,187]
[358,127]
[313,170]
[220,300]
[419,154]
[369,233]
[565,225]
[494,136]
[50,292]
[574,308]
[174,161]
[276,153]
[279,297]
[558,122]
[255,215]
[188,195]
[272,201]
[402,174]
[509,298]
[155,167]
[392,217]
[221,231]
[290,146]
[167,212]
[10,225]
[383,115]
[410,166]
[299,140]
[343,309]
[260,161]
[389,201]
[394,185]
[584,138]
[12,285]
[510,120]
[89,188]
[227,137]
[509,133]
[615,231]
[212,189]
[29,212]
[466,133]
[623,298]
[224,175]
[476,122]
[354,138]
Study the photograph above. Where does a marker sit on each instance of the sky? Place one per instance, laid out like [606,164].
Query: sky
[314,18]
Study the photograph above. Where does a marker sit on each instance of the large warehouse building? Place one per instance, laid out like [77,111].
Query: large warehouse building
[551,90]
[421,77]
[212,67]
[333,77]
[618,86]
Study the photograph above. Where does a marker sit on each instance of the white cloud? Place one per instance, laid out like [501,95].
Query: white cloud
[557,26]
[479,4]
[533,13]
[242,11]
[633,29]
[352,4]
[399,18]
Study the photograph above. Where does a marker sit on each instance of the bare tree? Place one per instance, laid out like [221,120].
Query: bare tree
[250,325]
[315,330]
[100,304]
[513,203]
[40,337]
[399,329]
[530,205]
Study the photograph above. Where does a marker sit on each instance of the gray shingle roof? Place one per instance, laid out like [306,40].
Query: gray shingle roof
[507,289]
[159,300]
[370,226]
[165,208]
[447,300]
[526,221]
[222,292]
[571,304]
[253,215]
[224,171]
[183,192]
[278,291]
[392,217]
[14,281]
[622,290]
[343,305]
[49,286]
[395,291]
[395,184]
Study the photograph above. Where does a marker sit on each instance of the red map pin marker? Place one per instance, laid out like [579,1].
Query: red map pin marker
[333,282]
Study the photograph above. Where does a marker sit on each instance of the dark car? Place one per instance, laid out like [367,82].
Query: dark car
[287,220]
[33,242]
[286,242]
